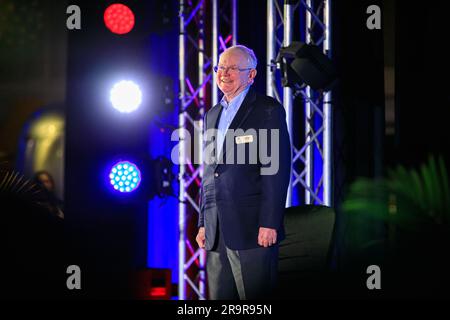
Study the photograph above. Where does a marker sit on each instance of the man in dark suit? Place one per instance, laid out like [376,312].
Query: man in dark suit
[245,180]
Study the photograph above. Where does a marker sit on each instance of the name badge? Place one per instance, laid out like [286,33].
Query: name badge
[244,139]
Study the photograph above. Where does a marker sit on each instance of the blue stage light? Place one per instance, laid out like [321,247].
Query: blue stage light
[125,176]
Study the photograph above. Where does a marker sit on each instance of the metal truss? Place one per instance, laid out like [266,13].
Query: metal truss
[314,176]
[195,78]
[194,84]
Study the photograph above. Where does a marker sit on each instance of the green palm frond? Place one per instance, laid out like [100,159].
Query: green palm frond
[445,190]
[14,184]
[368,196]
[408,198]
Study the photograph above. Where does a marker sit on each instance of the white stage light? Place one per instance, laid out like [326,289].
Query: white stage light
[126,96]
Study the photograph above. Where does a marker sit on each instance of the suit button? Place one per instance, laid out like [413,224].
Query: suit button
[216,174]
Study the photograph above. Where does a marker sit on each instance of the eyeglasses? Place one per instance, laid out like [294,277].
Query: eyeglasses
[232,69]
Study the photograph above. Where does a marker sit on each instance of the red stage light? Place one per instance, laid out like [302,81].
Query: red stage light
[158,292]
[119,18]
[152,284]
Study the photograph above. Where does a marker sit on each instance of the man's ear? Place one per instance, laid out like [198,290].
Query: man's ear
[252,74]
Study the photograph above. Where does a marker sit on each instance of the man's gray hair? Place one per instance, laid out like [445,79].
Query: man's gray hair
[251,58]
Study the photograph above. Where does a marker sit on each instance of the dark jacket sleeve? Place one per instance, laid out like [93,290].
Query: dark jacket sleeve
[201,216]
[275,181]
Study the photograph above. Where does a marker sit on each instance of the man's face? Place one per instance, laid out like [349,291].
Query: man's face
[233,82]
[46,182]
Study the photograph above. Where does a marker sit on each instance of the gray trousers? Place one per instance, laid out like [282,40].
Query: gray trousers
[241,274]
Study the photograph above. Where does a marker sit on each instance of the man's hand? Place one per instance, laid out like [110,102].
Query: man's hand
[201,237]
[267,237]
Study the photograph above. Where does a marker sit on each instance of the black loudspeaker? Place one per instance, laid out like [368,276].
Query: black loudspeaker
[306,64]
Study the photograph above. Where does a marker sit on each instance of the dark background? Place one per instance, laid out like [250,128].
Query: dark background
[389,106]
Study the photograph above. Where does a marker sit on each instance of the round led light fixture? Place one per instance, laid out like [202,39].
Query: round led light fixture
[125,96]
[125,176]
[119,18]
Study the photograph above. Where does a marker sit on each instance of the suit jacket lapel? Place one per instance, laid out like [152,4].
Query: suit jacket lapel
[242,114]
[244,110]
[213,117]
[213,122]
